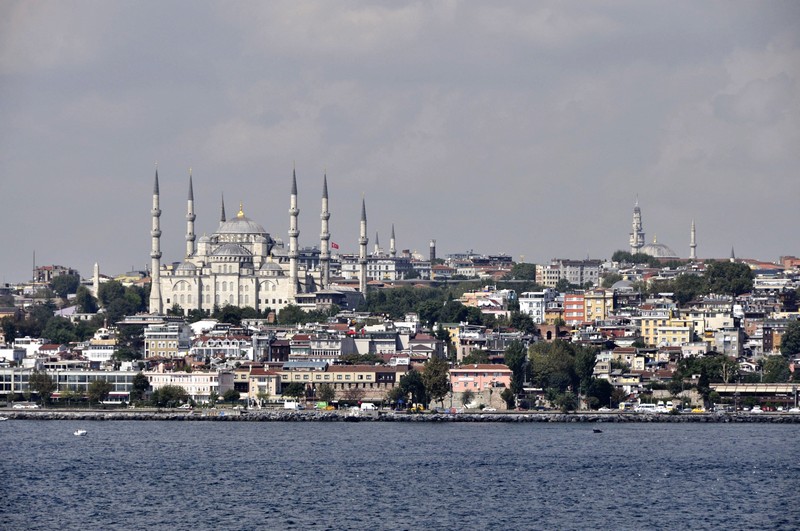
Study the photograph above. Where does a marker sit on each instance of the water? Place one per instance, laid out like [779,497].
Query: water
[235,475]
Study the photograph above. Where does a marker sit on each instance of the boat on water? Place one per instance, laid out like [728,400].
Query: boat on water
[597,430]
[80,433]
[3,418]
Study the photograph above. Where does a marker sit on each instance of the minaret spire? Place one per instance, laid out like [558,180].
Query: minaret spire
[222,215]
[155,253]
[693,244]
[377,250]
[392,249]
[324,237]
[190,217]
[293,234]
[637,232]
[362,250]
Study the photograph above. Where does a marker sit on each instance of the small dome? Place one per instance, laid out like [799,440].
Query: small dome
[231,249]
[271,266]
[622,285]
[204,239]
[186,266]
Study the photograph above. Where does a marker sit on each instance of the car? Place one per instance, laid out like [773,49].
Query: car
[185,406]
[605,409]
[25,406]
[489,410]
[794,410]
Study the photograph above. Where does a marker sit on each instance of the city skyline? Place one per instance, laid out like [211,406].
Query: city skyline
[503,128]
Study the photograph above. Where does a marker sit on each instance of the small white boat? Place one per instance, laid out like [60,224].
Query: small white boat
[80,433]
[3,418]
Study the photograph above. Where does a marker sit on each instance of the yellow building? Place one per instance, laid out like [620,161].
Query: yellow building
[598,305]
[662,327]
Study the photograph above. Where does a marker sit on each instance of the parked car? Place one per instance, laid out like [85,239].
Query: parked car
[185,406]
[490,410]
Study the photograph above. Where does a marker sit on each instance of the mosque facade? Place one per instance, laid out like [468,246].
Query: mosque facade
[241,264]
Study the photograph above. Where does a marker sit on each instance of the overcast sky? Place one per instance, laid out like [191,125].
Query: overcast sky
[526,128]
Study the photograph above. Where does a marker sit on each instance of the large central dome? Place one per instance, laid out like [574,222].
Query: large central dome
[658,250]
[241,224]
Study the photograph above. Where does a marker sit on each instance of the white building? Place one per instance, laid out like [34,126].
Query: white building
[534,303]
[198,385]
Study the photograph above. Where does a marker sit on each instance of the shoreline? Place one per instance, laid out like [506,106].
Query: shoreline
[225,415]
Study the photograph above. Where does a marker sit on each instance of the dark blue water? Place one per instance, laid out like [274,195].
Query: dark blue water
[215,475]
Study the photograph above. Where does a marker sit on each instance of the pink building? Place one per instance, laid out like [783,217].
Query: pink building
[479,377]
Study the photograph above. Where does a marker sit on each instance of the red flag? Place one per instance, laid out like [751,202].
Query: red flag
[334,245]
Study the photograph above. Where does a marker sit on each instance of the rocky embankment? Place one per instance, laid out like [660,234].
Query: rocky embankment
[227,415]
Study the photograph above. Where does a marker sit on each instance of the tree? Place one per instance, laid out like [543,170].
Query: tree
[567,402]
[600,389]
[584,365]
[790,341]
[172,396]
[436,378]
[9,329]
[411,383]
[563,285]
[523,323]
[213,396]
[610,279]
[476,356]
[263,398]
[140,386]
[231,395]
[110,292]
[467,397]
[728,278]
[522,271]
[508,397]
[687,287]
[295,390]
[776,369]
[553,365]
[41,384]
[516,360]
[64,285]
[60,331]
[99,391]
[326,392]
[353,395]
[84,300]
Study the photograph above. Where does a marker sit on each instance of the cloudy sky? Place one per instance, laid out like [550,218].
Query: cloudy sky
[527,128]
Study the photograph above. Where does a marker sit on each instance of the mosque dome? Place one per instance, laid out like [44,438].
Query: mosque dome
[231,250]
[657,250]
[186,266]
[241,225]
[622,285]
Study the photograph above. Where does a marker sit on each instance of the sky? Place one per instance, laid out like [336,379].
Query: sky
[525,128]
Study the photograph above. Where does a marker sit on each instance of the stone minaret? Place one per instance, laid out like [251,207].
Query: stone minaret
[293,234]
[432,251]
[324,238]
[693,244]
[222,214]
[155,254]
[637,233]
[392,249]
[377,249]
[362,251]
[190,217]
[96,280]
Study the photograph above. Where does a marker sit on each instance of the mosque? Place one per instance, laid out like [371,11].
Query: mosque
[655,249]
[241,264]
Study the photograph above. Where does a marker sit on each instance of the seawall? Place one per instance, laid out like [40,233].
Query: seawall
[224,415]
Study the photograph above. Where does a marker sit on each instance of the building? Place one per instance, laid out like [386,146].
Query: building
[169,339]
[576,272]
[240,264]
[199,385]
[534,303]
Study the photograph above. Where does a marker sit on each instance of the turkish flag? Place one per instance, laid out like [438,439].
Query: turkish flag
[334,245]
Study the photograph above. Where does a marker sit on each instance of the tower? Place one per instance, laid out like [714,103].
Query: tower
[392,248]
[324,237]
[637,232]
[155,254]
[432,251]
[190,217]
[692,244]
[222,214]
[362,251]
[293,234]
[96,280]
[377,249]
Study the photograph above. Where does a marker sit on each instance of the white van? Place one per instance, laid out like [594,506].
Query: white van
[368,406]
[645,408]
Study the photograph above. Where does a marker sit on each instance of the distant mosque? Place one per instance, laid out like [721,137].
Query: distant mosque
[655,249]
[242,265]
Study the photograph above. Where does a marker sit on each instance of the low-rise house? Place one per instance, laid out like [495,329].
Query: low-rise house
[198,385]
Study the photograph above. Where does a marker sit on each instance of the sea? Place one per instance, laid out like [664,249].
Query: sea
[396,476]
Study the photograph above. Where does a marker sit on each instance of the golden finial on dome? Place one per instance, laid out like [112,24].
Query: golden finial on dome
[241,211]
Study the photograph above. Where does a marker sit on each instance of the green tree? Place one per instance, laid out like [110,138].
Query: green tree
[776,369]
[291,314]
[84,300]
[411,384]
[790,341]
[140,386]
[98,391]
[9,329]
[523,323]
[563,285]
[436,378]
[295,390]
[213,396]
[728,278]
[516,359]
[687,287]
[567,402]
[60,331]
[522,271]
[41,384]
[467,397]
[109,292]
[326,392]
[553,365]
[64,285]
[508,397]
[171,396]
[585,359]
[231,395]
[610,279]
[476,356]
[601,390]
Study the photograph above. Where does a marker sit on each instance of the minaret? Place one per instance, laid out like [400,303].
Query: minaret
[155,254]
[392,249]
[362,251]
[293,234]
[637,234]
[96,280]
[324,237]
[432,251]
[733,255]
[693,244]
[190,217]
[377,250]
[222,215]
